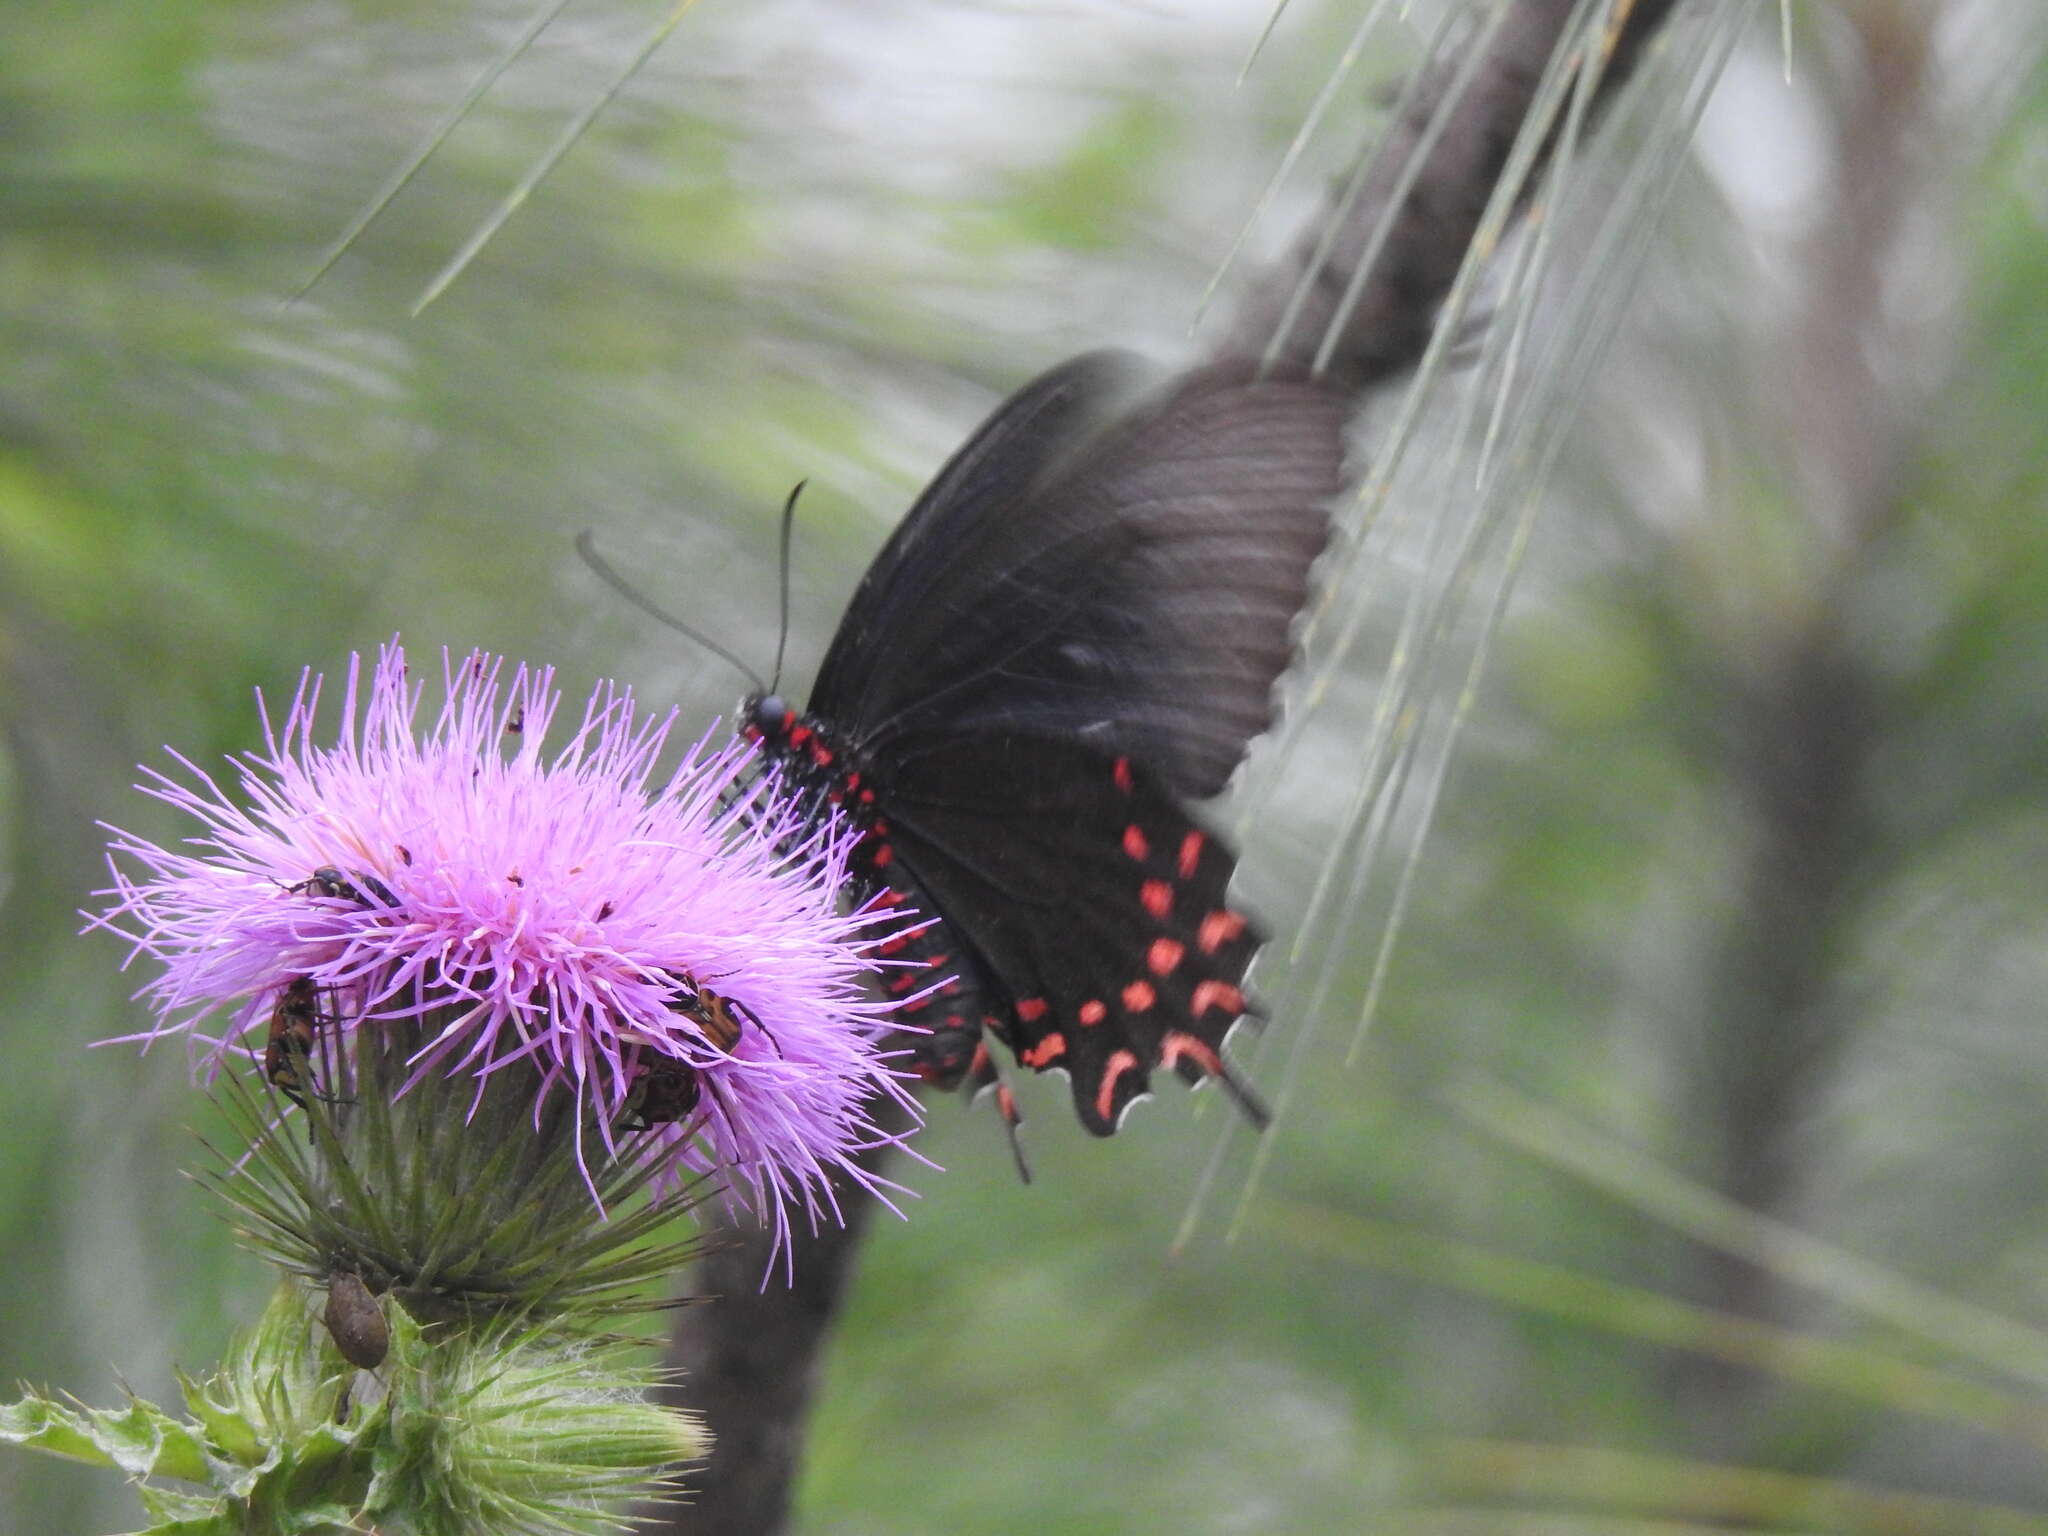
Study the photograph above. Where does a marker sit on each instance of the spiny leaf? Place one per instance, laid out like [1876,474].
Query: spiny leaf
[140,1440]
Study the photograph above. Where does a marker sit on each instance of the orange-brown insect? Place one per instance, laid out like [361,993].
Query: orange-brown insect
[294,1034]
[666,1090]
[719,1018]
[295,1040]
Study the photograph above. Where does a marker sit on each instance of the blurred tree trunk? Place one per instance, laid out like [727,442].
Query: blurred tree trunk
[1801,716]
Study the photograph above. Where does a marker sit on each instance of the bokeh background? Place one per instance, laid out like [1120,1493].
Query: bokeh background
[1740,874]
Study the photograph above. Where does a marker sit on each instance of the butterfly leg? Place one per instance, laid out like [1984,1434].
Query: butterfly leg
[984,1076]
[1195,1059]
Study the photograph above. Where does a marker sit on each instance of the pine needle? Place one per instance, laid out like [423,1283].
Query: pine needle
[516,198]
[402,177]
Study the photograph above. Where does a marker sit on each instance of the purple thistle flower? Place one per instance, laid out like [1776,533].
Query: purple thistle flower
[532,909]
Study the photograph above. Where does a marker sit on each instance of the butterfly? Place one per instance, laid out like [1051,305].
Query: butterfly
[1075,631]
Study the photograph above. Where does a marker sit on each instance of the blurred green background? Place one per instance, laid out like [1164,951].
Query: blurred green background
[1743,861]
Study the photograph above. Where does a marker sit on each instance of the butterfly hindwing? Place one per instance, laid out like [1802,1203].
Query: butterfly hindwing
[1107,928]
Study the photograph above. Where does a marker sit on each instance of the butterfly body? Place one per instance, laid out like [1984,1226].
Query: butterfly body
[1074,631]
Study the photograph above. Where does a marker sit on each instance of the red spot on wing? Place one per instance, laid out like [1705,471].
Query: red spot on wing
[1113,1071]
[1092,1012]
[1045,1053]
[1219,928]
[1163,956]
[1120,771]
[1215,994]
[1031,1009]
[979,1063]
[1191,854]
[1179,1043]
[1139,996]
[1157,898]
[1135,844]
[799,734]
[883,856]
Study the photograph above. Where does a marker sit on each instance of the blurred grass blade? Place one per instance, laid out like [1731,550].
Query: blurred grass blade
[517,197]
[1259,43]
[2013,1349]
[1751,1498]
[402,177]
[1454,1521]
[1853,1369]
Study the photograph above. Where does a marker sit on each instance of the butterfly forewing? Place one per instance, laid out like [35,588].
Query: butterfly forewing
[925,565]
[1131,586]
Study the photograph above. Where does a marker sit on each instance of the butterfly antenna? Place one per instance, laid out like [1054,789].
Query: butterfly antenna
[782,630]
[586,546]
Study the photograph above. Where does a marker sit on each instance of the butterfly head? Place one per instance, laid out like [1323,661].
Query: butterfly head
[766,716]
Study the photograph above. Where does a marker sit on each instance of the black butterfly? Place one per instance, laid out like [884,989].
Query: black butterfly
[1075,629]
